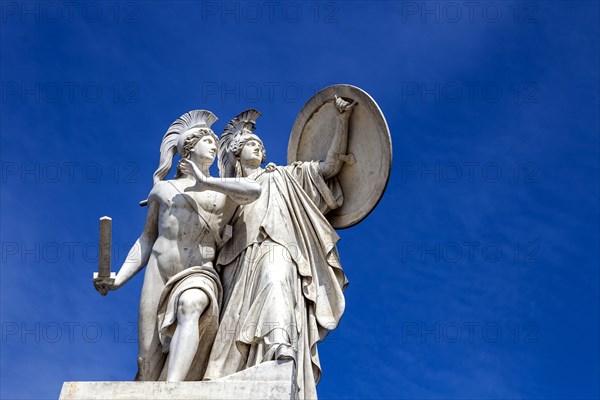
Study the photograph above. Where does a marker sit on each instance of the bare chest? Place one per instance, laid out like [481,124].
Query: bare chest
[187,201]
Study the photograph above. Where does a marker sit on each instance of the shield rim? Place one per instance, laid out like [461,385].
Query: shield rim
[313,104]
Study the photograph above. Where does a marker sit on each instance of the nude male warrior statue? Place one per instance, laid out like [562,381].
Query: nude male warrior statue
[187,217]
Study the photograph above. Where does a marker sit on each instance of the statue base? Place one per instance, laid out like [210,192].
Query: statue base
[270,380]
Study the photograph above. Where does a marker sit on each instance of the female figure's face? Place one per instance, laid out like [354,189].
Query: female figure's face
[252,153]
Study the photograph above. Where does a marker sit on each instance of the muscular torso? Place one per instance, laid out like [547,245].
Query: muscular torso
[184,239]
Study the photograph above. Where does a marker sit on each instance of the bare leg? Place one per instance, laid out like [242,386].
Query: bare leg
[184,344]
[150,356]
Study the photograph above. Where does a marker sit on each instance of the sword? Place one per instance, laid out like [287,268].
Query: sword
[104,277]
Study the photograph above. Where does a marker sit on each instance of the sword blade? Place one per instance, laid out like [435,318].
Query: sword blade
[105,244]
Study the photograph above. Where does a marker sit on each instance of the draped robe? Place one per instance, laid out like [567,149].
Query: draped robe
[269,304]
[204,278]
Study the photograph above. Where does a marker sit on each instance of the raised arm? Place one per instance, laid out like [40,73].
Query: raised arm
[332,165]
[239,190]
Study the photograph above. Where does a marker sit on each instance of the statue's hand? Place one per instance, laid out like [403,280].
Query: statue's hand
[270,167]
[188,167]
[104,285]
[344,106]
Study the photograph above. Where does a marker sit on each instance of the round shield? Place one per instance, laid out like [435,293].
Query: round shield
[368,160]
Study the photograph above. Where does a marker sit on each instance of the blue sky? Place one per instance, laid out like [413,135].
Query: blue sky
[476,276]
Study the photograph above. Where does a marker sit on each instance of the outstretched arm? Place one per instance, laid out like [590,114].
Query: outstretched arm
[240,191]
[333,163]
[138,256]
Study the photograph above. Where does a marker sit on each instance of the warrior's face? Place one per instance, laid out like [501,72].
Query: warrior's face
[205,149]
[252,153]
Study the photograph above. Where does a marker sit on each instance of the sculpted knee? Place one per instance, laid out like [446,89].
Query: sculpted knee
[279,272]
[192,303]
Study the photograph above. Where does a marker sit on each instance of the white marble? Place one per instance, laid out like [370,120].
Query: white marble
[366,172]
[243,278]
[271,380]
[281,274]
[185,226]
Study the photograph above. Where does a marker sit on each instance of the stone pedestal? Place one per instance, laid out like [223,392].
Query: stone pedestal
[270,380]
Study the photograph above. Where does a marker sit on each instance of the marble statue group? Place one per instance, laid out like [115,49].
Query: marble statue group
[243,268]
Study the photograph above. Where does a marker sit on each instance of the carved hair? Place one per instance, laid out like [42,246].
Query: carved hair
[189,142]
